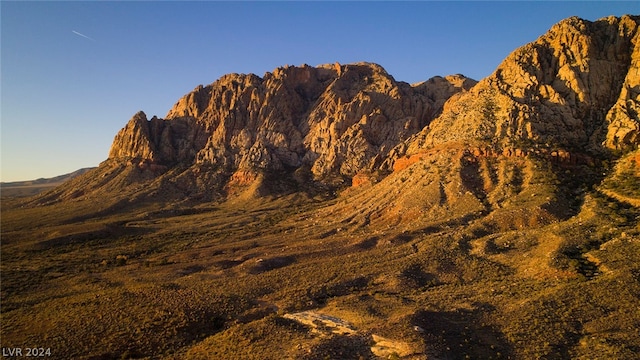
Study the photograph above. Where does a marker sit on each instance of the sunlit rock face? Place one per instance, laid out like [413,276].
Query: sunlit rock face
[575,87]
[333,119]
[570,96]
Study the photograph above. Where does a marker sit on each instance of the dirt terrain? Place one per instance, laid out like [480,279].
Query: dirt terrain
[301,276]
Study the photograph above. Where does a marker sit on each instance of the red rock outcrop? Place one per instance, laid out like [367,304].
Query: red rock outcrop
[361,179]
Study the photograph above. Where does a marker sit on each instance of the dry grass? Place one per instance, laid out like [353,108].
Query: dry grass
[443,258]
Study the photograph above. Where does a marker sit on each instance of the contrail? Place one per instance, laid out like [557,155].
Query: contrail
[83,35]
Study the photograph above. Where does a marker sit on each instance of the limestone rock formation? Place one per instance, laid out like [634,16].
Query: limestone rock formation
[158,141]
[623,129]
[495,218]
[575,87]
[334,120]
[529,136]
[570,97]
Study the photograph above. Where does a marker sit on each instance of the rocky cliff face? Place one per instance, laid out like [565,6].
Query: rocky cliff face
[334,120]
[570,96]
[575,87]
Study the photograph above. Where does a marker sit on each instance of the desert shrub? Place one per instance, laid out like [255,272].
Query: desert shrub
[320,295]
[462,334]
[272,337]
[414,277]
[121,260]
[341,347]
[263,265]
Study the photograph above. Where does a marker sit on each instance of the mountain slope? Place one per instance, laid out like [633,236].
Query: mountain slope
[523,146]
[574,88]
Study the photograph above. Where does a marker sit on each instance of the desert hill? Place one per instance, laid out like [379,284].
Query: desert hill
[33,187]
[334,212]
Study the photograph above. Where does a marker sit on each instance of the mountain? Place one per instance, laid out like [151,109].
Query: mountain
[33,187]
[532,135]
[334,212]
[304,124]
[569,96]
[575,88]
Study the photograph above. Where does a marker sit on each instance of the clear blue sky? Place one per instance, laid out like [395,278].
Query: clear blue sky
[73,73]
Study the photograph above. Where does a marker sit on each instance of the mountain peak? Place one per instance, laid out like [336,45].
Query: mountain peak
[572,91]
[571,88]
[332,121]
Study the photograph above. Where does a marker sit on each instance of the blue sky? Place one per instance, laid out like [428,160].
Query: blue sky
[64,96]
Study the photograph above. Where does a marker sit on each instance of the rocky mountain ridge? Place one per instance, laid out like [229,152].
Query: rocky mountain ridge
[575,87]
[338,119]
[570,96]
